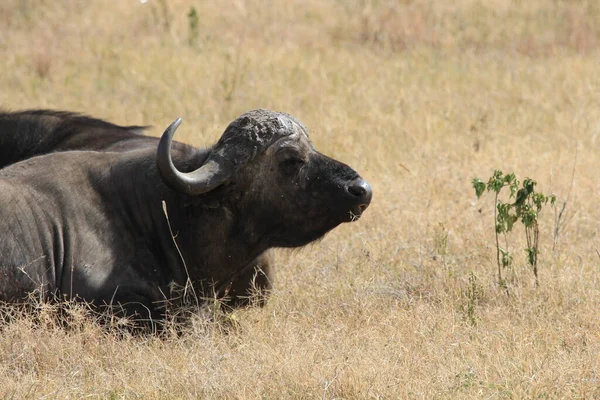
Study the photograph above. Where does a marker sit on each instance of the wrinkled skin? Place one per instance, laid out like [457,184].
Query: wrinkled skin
[92,225]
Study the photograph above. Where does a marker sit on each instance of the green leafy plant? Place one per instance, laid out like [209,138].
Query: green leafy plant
[194,27]
[526,207]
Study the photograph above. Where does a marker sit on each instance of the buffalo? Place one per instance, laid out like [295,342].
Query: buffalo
[25,134]
[131,225]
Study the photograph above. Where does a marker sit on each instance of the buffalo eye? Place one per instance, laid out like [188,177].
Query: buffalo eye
[291,165]
[290,160]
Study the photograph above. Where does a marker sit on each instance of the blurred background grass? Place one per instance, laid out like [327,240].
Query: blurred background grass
[419,97]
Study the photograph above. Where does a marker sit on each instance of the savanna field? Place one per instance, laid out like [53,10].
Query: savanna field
[419,97]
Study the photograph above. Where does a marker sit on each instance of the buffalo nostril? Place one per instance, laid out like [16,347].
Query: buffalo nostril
[361,189]
[356,190]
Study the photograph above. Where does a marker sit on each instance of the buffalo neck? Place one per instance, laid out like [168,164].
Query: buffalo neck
[212,237]
[202,238]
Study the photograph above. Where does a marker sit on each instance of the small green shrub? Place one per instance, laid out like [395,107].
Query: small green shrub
[526,207]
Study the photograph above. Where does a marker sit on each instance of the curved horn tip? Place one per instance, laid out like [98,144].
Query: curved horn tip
[175,124]
[170,131]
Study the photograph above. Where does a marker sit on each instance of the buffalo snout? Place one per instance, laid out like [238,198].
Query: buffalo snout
[360,193]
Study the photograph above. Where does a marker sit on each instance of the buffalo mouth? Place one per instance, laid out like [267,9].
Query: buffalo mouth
[356,212]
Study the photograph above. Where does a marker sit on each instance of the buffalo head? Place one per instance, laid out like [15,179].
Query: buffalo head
[283,190]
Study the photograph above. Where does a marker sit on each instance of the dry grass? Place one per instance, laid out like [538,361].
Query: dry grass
[420,96]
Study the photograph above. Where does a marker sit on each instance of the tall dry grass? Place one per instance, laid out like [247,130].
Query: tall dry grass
[420,97]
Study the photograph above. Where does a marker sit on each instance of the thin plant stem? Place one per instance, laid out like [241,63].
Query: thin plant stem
[497,241]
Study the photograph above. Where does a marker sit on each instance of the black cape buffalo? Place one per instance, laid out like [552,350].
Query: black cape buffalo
[26,134]
[128,228]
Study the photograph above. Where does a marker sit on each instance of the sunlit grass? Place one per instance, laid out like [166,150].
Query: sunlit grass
[419,97]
